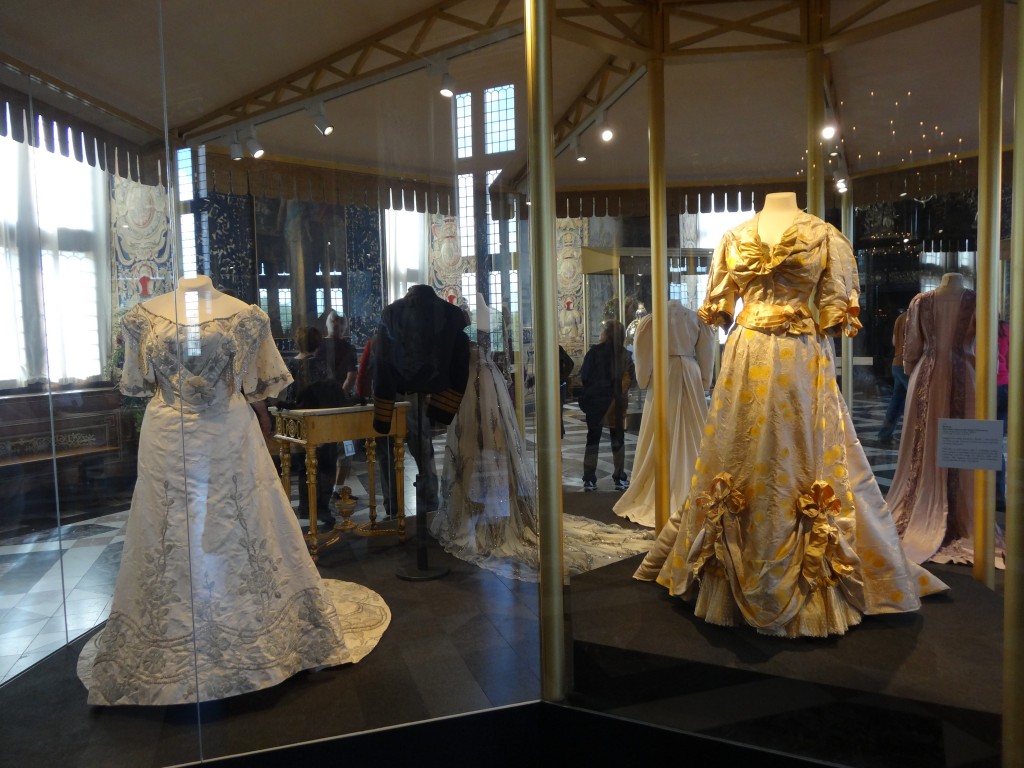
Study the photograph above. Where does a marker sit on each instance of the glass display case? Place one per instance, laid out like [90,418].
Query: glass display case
[373,243]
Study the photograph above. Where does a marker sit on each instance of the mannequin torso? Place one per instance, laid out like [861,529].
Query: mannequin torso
[776,215]
[195,300]
[952,284]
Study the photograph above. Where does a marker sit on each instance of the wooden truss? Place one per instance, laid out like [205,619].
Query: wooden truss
[620,28]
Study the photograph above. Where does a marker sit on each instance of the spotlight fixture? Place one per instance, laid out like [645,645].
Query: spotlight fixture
[828,132]
[236,147]
[252,144]
[320,119]
[607,134]
[581,156]
[447,85]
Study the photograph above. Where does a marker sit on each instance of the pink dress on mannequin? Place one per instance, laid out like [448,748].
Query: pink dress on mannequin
[932,506]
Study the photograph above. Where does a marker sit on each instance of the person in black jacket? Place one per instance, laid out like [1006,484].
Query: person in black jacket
[422,351]
[313,386]
[606,376]
[565,366]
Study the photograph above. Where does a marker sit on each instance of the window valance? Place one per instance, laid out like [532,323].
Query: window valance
[293,181]
[43,125]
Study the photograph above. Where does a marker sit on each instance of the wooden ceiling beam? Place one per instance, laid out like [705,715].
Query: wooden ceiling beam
[718,25]
[894,23]
[446,27]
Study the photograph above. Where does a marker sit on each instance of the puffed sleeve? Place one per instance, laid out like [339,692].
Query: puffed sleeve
[720,300]
[704,351]
[258,365]
[838,295]
[643,351]
[137,377]
[913,342]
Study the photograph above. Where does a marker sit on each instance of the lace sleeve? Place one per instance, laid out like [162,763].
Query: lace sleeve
[137,377]
[258,365]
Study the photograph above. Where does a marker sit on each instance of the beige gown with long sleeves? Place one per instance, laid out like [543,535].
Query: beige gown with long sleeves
[784,527]
[690,362]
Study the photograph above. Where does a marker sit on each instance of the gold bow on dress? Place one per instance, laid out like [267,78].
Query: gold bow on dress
[821,563]
[714,313]
[835,319]
[779,319]
[762,258]
[720,498]
[852,324]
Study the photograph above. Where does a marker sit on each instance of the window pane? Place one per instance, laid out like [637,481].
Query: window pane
[467,223]
[493,226]
[12,340]
[72,325]
[464,124]
[499,119]
[284,302]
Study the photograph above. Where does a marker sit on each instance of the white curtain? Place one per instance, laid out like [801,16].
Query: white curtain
[407,245]
[55,298]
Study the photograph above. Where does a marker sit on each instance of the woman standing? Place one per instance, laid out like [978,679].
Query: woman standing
[606,375]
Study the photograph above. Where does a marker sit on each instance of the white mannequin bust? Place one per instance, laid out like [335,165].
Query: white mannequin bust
[952,283]
[777,213]
[195,300]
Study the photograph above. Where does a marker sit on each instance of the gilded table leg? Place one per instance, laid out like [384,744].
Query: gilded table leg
[285,454]
[311,469]
[400,484]
[371,471]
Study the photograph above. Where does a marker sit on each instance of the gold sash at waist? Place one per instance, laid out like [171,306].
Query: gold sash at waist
[777,318]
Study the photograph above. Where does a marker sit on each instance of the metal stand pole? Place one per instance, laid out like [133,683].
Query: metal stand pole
[423,571]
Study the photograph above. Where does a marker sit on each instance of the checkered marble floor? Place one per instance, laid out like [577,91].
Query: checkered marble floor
[867,419]
[57,584]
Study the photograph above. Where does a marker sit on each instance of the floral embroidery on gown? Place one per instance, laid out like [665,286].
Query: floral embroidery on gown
[690,362]
[933,506]
[488,513]
[216,594]
[784,527]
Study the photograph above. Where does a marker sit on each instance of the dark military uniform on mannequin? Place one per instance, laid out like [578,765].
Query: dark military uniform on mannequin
[420,351]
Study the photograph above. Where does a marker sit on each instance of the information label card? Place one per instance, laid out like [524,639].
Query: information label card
[970,444]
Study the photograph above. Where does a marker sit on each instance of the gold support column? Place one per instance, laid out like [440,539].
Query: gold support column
[847,342]
[815,119]
[541,153]
[1013,597]
[659,264]
[989,167]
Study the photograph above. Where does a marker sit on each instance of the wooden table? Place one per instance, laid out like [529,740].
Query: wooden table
[312,427]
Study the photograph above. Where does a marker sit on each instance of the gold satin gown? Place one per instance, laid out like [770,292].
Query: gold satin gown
[784,527]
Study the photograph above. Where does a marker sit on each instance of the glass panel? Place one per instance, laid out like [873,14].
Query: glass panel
[678,638]
[332,236]
[86,235]
[328,192]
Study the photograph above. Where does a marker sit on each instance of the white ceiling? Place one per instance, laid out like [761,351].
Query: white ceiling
[729,116]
